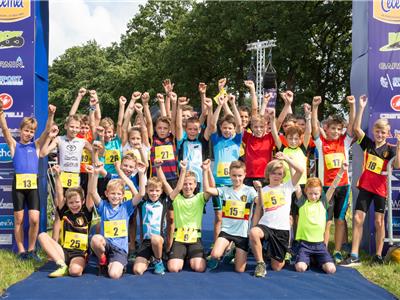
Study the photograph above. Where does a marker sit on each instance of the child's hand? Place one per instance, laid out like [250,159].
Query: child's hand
[206,165]
[173,97]
[136,96]
[351,100]
[221,83]
[56,169]
[183,101]
[138,108]
[287,97]
[183,164]
[100,130]
[117,164]
[160,98]
[202,88]
[249,84]
[97,145]
[271,113]
[307,109]
[53,131]
[345,166]
[145,98]
[93,94]
[222,99]
[257,185]
[93,101]
[141,167]
[122,101]
[232,99]
[266,98]
[207,103]
[82,92]
[316,101]
[168,86]
[52,109]
[89,169]
[98,167]
[280,156]
[363,101]
[158,162]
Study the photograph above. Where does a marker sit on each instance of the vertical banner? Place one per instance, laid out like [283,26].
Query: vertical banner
[17,52]
[384,81]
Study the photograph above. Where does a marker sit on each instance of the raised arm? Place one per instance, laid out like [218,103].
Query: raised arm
[50,121]
[168,88]
[236,114]
[97,112]
[125,178]
[161,103]
[254,101]
[207,188]
[287,109]
[160,174]
[141,167]
[59,192]
[147,113]
[202,91]
[208,106]
[264,104]
[181,179]
[179,127]
[121,112]
[174,100]
[50,142]
[6,131]
[143,125]
[128,115]
[92,183]
[274,130]
[296,166]
[74,108]
[352,114]
[357,122]
[314,116]
[307,132]
[221,101]
[331,190]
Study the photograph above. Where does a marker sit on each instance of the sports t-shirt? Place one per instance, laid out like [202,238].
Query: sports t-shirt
[226,150]
[74,233]
[115,222]
[152,215]
[135,152]
[258,153]
[331,155]
[299,156]
[188,212]
[25,159]
[164,149]
[112,153]
[374,175]
[70,153]
[276,203]
[312,219]
[236,209]
[86,154]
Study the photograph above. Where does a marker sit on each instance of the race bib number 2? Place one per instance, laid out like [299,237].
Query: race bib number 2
[115,229]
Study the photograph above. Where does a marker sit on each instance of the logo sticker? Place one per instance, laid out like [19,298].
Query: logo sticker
[11,39]
[7,222]
[14,10]
[387,11]
[395,103]
[7,101]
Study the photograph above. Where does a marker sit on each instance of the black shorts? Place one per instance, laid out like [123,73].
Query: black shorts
[294,209]
[84,180]
[240,242]
[71,254]
[277,242]
[340,201]
[365,198]
[145,250]
[30,198]
[114,253]
[182,250]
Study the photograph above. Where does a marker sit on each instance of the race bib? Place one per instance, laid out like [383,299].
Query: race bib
[86,157]
[186,235]
[115,229]
[127,195]
[164,152]
[76,241]
[234,209]
[69,180]
[374,164]
[223,169]
[273,199]
[112,156]
[26,181]
[334,160]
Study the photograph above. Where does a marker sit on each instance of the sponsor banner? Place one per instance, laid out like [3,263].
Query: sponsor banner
[6,222]
[6,239]
[384,81]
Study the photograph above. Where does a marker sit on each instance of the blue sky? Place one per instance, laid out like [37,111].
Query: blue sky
[73,22]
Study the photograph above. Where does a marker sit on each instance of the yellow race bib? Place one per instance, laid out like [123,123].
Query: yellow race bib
[76,241]
[186,235]
[234,209]
[86,157]
[26,181]
[334,160]
[223,169]
[127,195]
[164,152]
[112,156]
[69,180]
[273,199]
[374,164]
[114,229]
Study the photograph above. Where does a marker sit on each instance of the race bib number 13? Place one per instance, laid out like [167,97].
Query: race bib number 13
[26,181]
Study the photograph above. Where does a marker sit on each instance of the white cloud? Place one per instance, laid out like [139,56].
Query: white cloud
[73,22]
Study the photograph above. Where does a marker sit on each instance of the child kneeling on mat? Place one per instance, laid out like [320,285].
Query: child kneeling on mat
[312,222]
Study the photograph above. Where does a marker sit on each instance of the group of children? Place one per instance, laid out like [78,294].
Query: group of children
[159,174]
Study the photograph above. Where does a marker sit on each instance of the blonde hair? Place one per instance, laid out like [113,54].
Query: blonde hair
[154,182]
[28,122]
[107,122]
[272,166]
[257,119]
[191,174]
[237,164]
[75,191]
[382,124]
[116,184]
[70,118]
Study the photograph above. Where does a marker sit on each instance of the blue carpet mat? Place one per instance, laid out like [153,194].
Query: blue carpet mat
[223,283]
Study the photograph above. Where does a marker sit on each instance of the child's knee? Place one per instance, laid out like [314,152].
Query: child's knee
[114,273]
[301,267]
[329,268]
[75,270]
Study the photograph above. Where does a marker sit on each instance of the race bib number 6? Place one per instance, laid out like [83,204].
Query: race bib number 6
[186,235]
[223,169]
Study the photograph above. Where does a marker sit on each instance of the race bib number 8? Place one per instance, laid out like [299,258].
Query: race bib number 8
[273,199]
[235,209]
[26,181]
[112,156]
[69,180]
[223,169]
[74,240]
[374,164]
[114,229]
[186,235]
[334,160]
[164,152]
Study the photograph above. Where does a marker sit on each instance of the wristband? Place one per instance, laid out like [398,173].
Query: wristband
[92,107]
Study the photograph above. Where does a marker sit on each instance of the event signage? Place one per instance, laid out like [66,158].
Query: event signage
[17,63]
[384,78]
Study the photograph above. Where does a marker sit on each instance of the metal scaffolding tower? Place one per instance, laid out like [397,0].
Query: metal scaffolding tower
[260,68]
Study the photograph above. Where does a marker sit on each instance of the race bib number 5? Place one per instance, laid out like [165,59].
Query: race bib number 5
[26,181]
[234,209]
[164,152]
[114,229]
[273,199]
[374,164]
[334,160]
[74,240]
[186,235]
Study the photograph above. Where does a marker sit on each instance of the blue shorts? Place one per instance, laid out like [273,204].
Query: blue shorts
[115,253]
[317,250]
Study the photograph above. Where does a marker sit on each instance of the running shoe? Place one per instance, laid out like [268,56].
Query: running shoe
[33,255]
[22,255]
[60,272]
[261,269]
[350,261]
[212,264]
[229,256]
[377,260]
[337,257]
[159,268]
